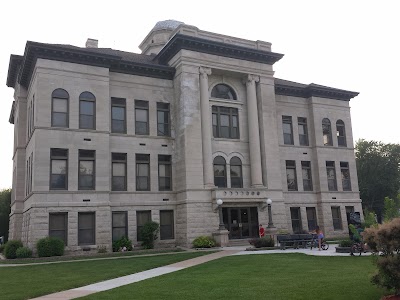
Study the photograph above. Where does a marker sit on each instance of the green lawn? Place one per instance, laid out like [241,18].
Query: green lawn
[270,276]
[31,281]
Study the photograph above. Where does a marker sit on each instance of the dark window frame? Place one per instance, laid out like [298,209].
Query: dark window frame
[296,220]
[118,102]
[337,222]
[139,157]
[59,158]
[291,165]
[142,105]
[165,160]
[165,109]
[346,183]
[125,213]
[332,182]
[65,215]
[116,160]
[92,242]
[307,183]
[341,138]
[327,132]
[81,157]
[60,94]
[139,227]
[311,222]
[239,164]
[287,137]
[303,138]
[231,112]
[218,162]
[85,97]
[162,226]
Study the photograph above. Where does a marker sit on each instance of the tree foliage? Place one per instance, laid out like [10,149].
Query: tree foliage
[378,168]
[391,208]
[5,209]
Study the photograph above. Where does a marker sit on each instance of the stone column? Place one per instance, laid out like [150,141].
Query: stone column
[206,128]
[254,133]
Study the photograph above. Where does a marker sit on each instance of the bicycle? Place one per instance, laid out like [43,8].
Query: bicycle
[357,247]
[314,243]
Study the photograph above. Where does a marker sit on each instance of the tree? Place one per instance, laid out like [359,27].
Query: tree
[5,209]
[392,208]
[378,168]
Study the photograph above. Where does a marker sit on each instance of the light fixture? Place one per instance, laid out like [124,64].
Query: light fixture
[219,202]
[268,201]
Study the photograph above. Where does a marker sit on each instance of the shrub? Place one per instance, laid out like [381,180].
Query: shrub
[23,252]
[2,248]
[262,242]
[121,243]
[345,243]
[102,249]
[204,242]
[148,234]
[50,246]
[10,249]
[384,241]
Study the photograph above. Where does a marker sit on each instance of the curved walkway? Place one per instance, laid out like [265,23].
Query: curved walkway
[226,251]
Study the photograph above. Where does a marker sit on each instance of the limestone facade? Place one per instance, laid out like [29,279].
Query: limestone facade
[184,72]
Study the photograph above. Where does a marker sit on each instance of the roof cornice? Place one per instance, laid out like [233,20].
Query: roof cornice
[181,41]
[115,63]
[313,90]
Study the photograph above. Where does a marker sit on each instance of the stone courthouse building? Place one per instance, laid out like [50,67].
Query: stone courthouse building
[106,140]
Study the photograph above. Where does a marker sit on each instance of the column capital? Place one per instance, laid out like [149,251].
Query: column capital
[250,78]
[204,71]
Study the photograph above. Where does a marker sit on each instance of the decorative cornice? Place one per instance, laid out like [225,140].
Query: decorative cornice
[312,90]
[24,65]
[181,41]
[250,79]
[204,72]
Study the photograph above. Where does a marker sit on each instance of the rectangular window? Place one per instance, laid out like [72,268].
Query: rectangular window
[58,226]
[163,126]
[86,228]
[336,218]
[87,110]
[331,174]
[291,175]
[142,217]
[307,179]
[58,169]
[164,173]
[119,225]
[287,130]
[166,224]
[311,218]
[118,115]
[344,169]
[59,117]
[303,131]
[142,117]
[296,219]
[87,166]
[225,121]
[143,172]
[118,171]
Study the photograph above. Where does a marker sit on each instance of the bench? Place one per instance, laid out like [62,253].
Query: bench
[294,240]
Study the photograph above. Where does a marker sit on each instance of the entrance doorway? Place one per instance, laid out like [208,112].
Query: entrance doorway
[242,222]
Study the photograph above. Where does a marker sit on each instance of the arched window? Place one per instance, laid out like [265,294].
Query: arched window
[236,173]
[341,133]
[59,108]
[223,91]
[87,111]
[220,171]
[327,132]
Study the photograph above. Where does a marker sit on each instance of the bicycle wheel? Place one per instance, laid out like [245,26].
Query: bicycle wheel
[356,249]
[325,246]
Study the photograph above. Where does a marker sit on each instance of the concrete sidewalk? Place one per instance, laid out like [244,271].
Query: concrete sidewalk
[226,251]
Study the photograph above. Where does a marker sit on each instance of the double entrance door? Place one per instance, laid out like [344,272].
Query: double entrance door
[242,222]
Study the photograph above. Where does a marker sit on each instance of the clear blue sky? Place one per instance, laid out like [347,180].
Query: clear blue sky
[351,45]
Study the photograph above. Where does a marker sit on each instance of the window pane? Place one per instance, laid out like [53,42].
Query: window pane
[219,170]
[166,225]
[59,119]
[58,181]
[118,169]
[143,169]
[165,183]
[163,129]
[118,113]
[86,122]
[236,182]
[118,233]
[141,115]
[86,107]
[119,219]
[224,120]
[118,183]
[86,181]
[142,183]
[86,167]
[141,128]
[58,166]
[118,126]
[60,105]
[224,132]
[161,117]
[236,171]
[287,128]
